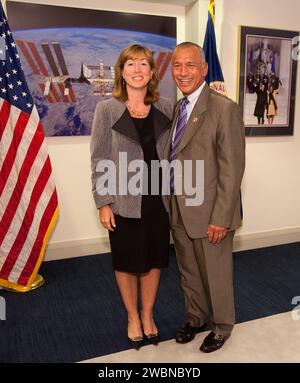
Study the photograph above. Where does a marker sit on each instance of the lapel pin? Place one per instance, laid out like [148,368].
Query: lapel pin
[195,119]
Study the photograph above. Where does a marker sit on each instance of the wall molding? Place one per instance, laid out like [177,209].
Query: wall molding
[83,247]
[77,248]
[266,238]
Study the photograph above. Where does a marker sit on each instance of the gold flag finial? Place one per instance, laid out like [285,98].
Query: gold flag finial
[211,10]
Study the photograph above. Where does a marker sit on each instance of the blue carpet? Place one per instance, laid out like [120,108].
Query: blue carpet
[78,313]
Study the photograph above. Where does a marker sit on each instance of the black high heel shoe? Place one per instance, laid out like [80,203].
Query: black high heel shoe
[136,342]
[152,338]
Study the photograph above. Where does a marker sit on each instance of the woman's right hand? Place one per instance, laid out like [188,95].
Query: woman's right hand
[106,217]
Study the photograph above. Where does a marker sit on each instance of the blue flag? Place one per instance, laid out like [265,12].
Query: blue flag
[214,77]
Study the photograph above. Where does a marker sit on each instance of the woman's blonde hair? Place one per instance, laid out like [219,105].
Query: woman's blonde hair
[131,52]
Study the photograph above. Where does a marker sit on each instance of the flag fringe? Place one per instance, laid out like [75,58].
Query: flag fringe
[23,289]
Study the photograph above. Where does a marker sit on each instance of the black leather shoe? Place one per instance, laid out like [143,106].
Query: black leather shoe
[213,342]
[186,333]
[137,342]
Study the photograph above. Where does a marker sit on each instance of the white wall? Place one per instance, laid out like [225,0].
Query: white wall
[271,184]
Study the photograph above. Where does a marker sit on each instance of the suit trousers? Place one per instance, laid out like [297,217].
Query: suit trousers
[206,276]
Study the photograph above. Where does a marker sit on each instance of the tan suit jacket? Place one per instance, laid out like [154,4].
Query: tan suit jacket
[215,134]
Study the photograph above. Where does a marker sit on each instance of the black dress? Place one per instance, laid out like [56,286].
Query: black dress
[140,244]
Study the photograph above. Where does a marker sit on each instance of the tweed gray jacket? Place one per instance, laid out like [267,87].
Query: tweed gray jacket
[113,132]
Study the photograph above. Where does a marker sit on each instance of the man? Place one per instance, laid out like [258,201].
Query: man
[207,126]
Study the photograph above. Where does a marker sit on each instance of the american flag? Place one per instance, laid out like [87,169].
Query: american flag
[28,198]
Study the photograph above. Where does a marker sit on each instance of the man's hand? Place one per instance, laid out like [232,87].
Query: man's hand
[106,217]
[216,233]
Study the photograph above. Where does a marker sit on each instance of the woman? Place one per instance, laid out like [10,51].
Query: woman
[272,104]
[134,122]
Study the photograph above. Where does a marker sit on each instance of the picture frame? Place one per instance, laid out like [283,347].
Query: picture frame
[267,80]
[68,56]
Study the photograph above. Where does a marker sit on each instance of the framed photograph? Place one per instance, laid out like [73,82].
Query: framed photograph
[68,57]
[267,80]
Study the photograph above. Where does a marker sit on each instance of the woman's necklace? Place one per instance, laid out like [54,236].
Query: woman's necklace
[135,113]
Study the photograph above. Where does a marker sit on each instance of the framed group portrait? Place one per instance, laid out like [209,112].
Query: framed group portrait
[267,80]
